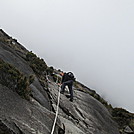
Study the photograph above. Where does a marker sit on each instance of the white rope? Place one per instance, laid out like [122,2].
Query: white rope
[56,111]
[56,115]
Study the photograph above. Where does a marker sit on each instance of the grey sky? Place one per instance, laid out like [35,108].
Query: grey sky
[92,38]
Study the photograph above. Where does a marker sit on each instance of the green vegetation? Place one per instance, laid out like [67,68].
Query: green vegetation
[50,70]
[9,41]
[38,65]
[4,40]
[15,80]
[56,78]
[131,123]
[123,117]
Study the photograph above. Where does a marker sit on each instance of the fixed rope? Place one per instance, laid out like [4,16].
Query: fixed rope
[57,107]
[56,111]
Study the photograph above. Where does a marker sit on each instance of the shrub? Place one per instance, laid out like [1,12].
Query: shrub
[50,70]
[15,80]
[30,56]
[56,78]
[4,40]
[31,78]
[121,116]
[132,123]
[38,65]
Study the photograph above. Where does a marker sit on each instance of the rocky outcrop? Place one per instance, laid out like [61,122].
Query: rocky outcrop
[19,115]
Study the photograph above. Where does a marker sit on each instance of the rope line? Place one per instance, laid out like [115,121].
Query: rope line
[56,112]
[57,109]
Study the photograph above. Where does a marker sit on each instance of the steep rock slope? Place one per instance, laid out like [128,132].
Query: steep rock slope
[35,113]
[85,115]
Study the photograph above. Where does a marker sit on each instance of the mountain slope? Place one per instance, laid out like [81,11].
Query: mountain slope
[28,97]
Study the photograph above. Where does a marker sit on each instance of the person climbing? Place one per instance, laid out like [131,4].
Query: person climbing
[67,80]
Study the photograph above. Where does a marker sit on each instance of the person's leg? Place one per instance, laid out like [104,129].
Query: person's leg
[64,84]
[63,87]
[70,84]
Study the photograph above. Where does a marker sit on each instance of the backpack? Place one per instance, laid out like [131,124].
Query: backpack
[71,75]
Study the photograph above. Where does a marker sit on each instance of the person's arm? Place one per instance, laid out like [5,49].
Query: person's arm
[63,77]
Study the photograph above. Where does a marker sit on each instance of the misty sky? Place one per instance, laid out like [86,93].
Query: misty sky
[92,38]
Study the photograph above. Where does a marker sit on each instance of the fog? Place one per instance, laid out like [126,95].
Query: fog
[92,38]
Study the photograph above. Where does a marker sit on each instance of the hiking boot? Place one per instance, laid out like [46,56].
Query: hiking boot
[68,96]
[71,100]
[61,92]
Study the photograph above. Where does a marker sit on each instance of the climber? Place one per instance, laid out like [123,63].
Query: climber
[67,80]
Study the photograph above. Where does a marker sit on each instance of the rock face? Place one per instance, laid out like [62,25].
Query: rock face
[85,115]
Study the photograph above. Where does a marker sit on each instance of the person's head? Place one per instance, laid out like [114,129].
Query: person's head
[61,73]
